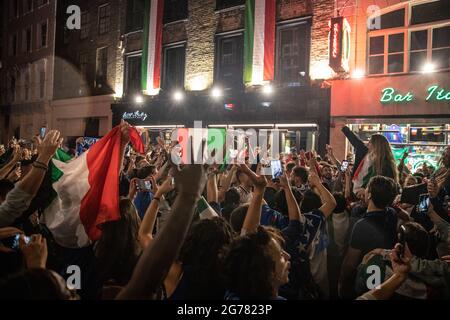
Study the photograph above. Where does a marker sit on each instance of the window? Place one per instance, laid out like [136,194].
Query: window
[388,20]
[229,61]
[104,18]
[418,50]
[292,54]
[85,25]
[27,6]
[224,4]
[42,35]
[135,15]
[13,45]
[28,39]
[441,48]
[133,74]
[84,65]
[42,82]
[12,87]
[391,61]
[101,69]
[174,61]
[430,12]
[27,85]
[175,10]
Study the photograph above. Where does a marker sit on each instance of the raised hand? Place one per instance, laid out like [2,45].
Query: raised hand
[284,182]
[165,187]
[6,233]
[35,252]
[401,265]
[260,182]
[314,180]
[49,145]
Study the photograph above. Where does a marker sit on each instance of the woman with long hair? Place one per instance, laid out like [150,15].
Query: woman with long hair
[381,153]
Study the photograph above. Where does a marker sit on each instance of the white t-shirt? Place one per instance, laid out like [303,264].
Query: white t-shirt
[341,224]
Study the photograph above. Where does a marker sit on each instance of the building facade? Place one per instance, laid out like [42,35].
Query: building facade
[202,69]
[26,74]
[399,80]
[88,68]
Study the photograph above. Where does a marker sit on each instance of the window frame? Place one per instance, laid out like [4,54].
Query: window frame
[99,18]
[23,7]
[39,35]
[97,65]
[133,54]
[407,30]
[85,27]
[44,2]
[217,70]
[165,48]
[286,25]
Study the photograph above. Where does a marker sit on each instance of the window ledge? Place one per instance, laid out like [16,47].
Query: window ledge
[241,6]
[175,22]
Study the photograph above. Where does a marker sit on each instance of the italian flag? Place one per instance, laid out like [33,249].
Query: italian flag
[204,210]
[363,173]
[86,190]
[151,54]
[259,44]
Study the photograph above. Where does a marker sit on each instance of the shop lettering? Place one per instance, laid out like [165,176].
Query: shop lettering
[139,115]
[390,95]
[434,93]
[438,94]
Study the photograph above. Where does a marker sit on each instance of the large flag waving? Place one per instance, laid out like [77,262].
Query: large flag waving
[259,44]
[151,54]
[87,191]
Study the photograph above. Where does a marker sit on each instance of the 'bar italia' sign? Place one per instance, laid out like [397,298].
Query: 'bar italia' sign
[339,44]
[434,93]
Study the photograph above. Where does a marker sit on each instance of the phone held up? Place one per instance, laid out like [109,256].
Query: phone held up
[143,185]
[13,241]
[402,241]
[277,170]
[344,166]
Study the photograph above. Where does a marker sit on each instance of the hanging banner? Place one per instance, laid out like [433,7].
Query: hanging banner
[339,44]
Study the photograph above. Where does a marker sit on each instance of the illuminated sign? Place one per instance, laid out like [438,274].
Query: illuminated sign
[139,115]
[434,93]
[339,44]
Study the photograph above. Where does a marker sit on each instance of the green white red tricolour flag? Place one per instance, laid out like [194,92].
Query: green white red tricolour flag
[259,43]
[151,53]
[86,190]
[363,173]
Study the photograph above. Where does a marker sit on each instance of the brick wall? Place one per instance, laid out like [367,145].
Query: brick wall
[231,20]
[289,9]
[200,29]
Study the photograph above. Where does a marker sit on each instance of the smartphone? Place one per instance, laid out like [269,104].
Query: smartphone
[42,132]
[424,204]
[13,242]
[402,241]
[412,194]
[344,165]
[277,171]
[144,185]
[18,165]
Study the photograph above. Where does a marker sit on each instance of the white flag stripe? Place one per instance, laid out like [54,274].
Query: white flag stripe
[62,217]
[152,44]
[258,42]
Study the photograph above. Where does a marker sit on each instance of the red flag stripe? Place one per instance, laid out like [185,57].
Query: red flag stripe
[158,45]
[269,40]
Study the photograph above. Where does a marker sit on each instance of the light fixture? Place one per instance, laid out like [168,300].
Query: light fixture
[216,93]
[267,89]
[139,99]
[178,96]
[358,74]
[428,67]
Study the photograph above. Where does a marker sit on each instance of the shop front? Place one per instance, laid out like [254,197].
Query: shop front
[411,111]
[301,115]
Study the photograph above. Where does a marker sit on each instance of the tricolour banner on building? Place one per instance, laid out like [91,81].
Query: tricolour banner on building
[259,45]
[151,53]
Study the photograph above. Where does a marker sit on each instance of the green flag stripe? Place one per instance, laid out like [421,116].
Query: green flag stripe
[60,155]
[145,45]
[248,39]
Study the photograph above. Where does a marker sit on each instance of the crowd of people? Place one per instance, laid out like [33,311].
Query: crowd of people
[317,232]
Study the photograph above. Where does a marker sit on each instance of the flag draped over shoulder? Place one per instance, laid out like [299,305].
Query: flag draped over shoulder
[363,173]
[87,190]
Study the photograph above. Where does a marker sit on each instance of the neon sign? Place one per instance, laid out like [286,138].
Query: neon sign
[434,93]
[139,115]
[339,44]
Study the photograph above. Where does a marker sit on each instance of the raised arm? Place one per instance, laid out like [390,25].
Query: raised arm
[328,201]
[6,169]
[330,154]
[147,225]
[293,208]
[212,194]
[157,258]
[227,183]
[356,142]
[253,217]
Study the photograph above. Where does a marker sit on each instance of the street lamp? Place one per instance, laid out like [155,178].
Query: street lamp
[358,74]
[428,68]
[267,89]
[139,99]
[216,93]
[178,96]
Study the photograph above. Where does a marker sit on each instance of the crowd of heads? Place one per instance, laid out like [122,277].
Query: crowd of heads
[307,235]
